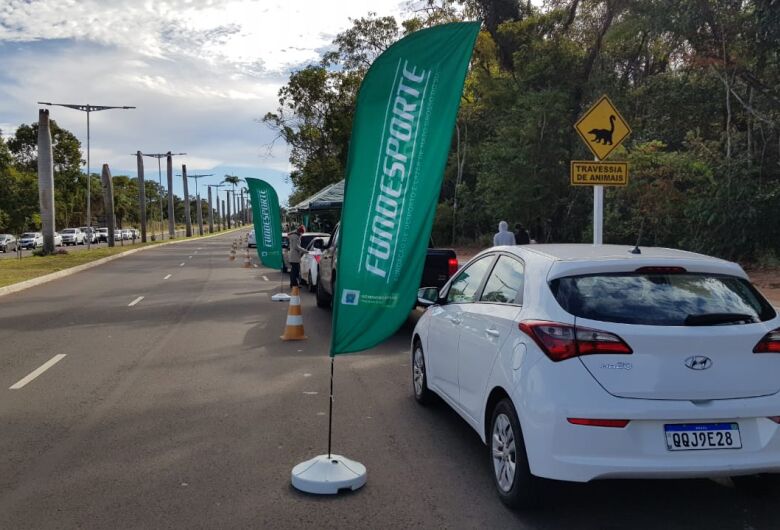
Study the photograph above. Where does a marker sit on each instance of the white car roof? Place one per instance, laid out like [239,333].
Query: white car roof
[571,259]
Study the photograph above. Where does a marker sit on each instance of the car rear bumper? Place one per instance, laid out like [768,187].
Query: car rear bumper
[560,450]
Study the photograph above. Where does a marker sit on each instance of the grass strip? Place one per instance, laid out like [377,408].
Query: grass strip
[18,270]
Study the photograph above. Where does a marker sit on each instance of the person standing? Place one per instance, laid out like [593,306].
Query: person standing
[294,254]
[521,235]
[504,236]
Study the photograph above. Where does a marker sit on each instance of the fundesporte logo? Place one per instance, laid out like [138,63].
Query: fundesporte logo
[404,110]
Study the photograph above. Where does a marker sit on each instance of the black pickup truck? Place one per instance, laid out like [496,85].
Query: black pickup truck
[440,264]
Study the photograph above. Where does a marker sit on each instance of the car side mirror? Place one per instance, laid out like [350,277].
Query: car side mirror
[427,296]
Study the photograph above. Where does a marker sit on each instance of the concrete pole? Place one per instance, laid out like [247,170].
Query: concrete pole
[108,201]
[171,211]
[598,213]
[46,180]
[199,214]
[187,214]
[219,214]
[243,207]
[227,212]
[141,193]
[211,213]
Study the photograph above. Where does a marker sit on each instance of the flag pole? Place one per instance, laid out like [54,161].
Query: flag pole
[330,405]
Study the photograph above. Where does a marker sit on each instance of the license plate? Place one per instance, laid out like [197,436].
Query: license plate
[701,436]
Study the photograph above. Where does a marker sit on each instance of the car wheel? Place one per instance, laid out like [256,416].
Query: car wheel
[312,286]
[419,375]
[323,298]
[516,486]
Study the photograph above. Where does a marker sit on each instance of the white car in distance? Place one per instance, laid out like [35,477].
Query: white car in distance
[310,262]
[73,236]
[583,362]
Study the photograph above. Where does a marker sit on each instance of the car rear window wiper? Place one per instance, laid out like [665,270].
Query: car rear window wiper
[709,319]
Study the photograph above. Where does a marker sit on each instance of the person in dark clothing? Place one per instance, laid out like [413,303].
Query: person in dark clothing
[295,253]
[521,235]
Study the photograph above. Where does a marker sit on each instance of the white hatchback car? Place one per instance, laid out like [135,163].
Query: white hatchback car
[582,362]
[310,262]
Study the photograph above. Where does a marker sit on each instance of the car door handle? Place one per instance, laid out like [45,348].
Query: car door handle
[493,332]
[455,320]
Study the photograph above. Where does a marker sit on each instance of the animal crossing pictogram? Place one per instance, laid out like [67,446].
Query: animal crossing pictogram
[602,128]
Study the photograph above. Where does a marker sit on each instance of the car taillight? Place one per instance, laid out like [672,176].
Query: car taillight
[661,270]
[452,266]
[598,423]
[770,343]
[562,341]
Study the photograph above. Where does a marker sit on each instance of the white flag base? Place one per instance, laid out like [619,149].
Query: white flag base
[328,476]
[281,297]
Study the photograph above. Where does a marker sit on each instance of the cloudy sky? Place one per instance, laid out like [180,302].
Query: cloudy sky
[200,72]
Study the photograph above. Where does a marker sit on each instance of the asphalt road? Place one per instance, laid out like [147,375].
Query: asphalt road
[185,410]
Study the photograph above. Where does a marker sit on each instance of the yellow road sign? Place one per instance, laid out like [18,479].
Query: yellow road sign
[602,128]
[589,173]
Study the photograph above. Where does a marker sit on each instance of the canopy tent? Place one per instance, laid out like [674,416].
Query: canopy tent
[330,197]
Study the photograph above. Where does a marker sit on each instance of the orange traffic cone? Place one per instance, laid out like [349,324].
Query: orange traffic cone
[294,328]
[247,261]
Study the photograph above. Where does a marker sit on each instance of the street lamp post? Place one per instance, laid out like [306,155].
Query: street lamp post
[86,108]
[160,156]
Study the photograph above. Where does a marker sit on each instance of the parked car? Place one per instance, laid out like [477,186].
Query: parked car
[31,240]
[7,243]
[127,234]
[57,239]
[583,362]
[250,239]
[306,238]
[102,234]
[440,265]
[310,262]
[74,236]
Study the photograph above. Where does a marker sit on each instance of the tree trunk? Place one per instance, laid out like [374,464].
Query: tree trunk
[108,203]
[211,213]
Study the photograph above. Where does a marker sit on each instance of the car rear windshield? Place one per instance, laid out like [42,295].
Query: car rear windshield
[69,231]
[657,299]
[28,235]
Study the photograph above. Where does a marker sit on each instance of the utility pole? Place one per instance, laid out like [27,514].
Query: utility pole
[141,193]
[199,209]
[159,156]
[211,207]
[187,215]
[86,108]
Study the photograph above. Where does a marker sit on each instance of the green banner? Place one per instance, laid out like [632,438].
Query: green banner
[267,221]
[401,135]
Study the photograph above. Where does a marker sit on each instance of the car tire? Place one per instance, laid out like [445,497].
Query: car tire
[312,286]
[422,394]
[516,486]
[323,298]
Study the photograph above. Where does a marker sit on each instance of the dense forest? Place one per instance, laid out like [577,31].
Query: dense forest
[697,80]
[19,205]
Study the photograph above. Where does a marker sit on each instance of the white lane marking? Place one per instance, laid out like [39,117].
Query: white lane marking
[38,371]
[311,393]
[181,264]
[265,278]
[167,277]
[131,304]
[190,257]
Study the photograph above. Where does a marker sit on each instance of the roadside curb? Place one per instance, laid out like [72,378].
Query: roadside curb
[33,282]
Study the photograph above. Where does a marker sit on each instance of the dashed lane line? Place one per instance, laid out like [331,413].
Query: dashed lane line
[181,264]
[167,277]
[265,278]
[38,371]
[131,304]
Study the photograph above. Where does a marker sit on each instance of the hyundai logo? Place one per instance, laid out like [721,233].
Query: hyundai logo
[698,362]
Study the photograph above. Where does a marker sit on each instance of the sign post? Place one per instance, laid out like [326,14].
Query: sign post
[603,129]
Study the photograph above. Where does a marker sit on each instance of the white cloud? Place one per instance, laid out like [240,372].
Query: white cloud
[200,72]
